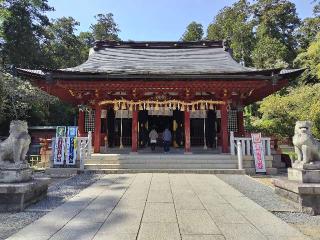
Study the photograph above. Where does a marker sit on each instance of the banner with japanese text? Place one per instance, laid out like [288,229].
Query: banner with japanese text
[71,153]
[258,153]
[59,146]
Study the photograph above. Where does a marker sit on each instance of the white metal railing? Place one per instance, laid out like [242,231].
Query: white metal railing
[246,145]
[84,148]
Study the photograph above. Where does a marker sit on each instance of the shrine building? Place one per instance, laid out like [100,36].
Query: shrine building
[125,88]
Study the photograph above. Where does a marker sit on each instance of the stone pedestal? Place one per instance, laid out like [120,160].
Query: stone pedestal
[15,197]
[12,173]
[304,175]
[307,195]
[302,186]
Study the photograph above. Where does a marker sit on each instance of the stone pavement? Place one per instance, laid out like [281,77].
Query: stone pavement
[159,206]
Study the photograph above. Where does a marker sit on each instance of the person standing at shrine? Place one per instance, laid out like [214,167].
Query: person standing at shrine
[153,135]
[166,136]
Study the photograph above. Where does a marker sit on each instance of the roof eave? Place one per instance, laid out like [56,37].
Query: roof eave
[70,75]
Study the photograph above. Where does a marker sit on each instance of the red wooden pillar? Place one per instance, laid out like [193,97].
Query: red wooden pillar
[134,131]
[97,129]
[187,145]
[224,127]
[240,123]
[81,123]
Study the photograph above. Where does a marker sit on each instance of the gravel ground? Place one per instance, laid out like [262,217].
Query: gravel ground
[286,210]
[58,192]
[260,193]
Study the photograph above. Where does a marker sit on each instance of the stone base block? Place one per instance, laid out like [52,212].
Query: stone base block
[304,175]
[307,195]
[15,197]
[61,172]
[15,173]
[269,171]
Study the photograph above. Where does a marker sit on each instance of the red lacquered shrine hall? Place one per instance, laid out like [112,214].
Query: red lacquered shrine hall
[125,89]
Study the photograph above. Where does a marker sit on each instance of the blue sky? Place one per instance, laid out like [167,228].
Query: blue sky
[151,20]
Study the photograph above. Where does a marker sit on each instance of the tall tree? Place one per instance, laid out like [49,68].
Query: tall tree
[309,28]
[234,23]
[23,31]
[316,9]
[269,53]
[310,60]
[308,31]
[87,41]
[63,47]
[105,28]
[276,20]
[194,32]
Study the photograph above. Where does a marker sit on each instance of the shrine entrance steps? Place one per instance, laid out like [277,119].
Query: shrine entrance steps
[158,163]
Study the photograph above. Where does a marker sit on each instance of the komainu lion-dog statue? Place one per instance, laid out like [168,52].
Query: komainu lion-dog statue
[14,149]
[306,146]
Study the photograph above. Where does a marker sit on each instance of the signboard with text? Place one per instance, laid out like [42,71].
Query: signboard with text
[59,146]
[71,152]
[258,153]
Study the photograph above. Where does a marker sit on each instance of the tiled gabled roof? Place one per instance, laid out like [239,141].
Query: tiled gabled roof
[159,60]
[205,57]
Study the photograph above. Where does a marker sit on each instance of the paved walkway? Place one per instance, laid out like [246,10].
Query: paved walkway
[159,206]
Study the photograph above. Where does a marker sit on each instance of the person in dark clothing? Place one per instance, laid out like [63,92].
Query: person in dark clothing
[166,136]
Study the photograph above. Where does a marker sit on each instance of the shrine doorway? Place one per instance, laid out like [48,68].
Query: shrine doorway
[160,123]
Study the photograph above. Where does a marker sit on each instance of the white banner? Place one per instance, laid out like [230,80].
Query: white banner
[258,153]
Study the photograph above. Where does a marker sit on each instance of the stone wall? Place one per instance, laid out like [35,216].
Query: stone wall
[248,164]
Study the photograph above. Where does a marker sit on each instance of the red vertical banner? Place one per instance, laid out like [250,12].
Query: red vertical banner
[258,153]
[97,129]
[187,144]
[134,131]
[224,127]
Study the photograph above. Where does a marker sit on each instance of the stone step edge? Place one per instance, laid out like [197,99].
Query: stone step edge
[161,160]
[200,171]
[124,164]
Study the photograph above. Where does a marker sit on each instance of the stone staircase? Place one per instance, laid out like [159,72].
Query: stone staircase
[172,163]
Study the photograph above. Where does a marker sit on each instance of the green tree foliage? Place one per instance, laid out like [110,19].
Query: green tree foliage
[3,15]
[316,9]
[105,28]
[63,47]
[23,31]
[276,22]
[234,23]
[280,112]
[269,53]
[310,60]
[29,40]
[308,31]
[194,32]
[21,100]
[87,41]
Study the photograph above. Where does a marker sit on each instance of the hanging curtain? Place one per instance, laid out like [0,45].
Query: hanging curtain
[143,131]
[210,128]
[178,116]
[110,127]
